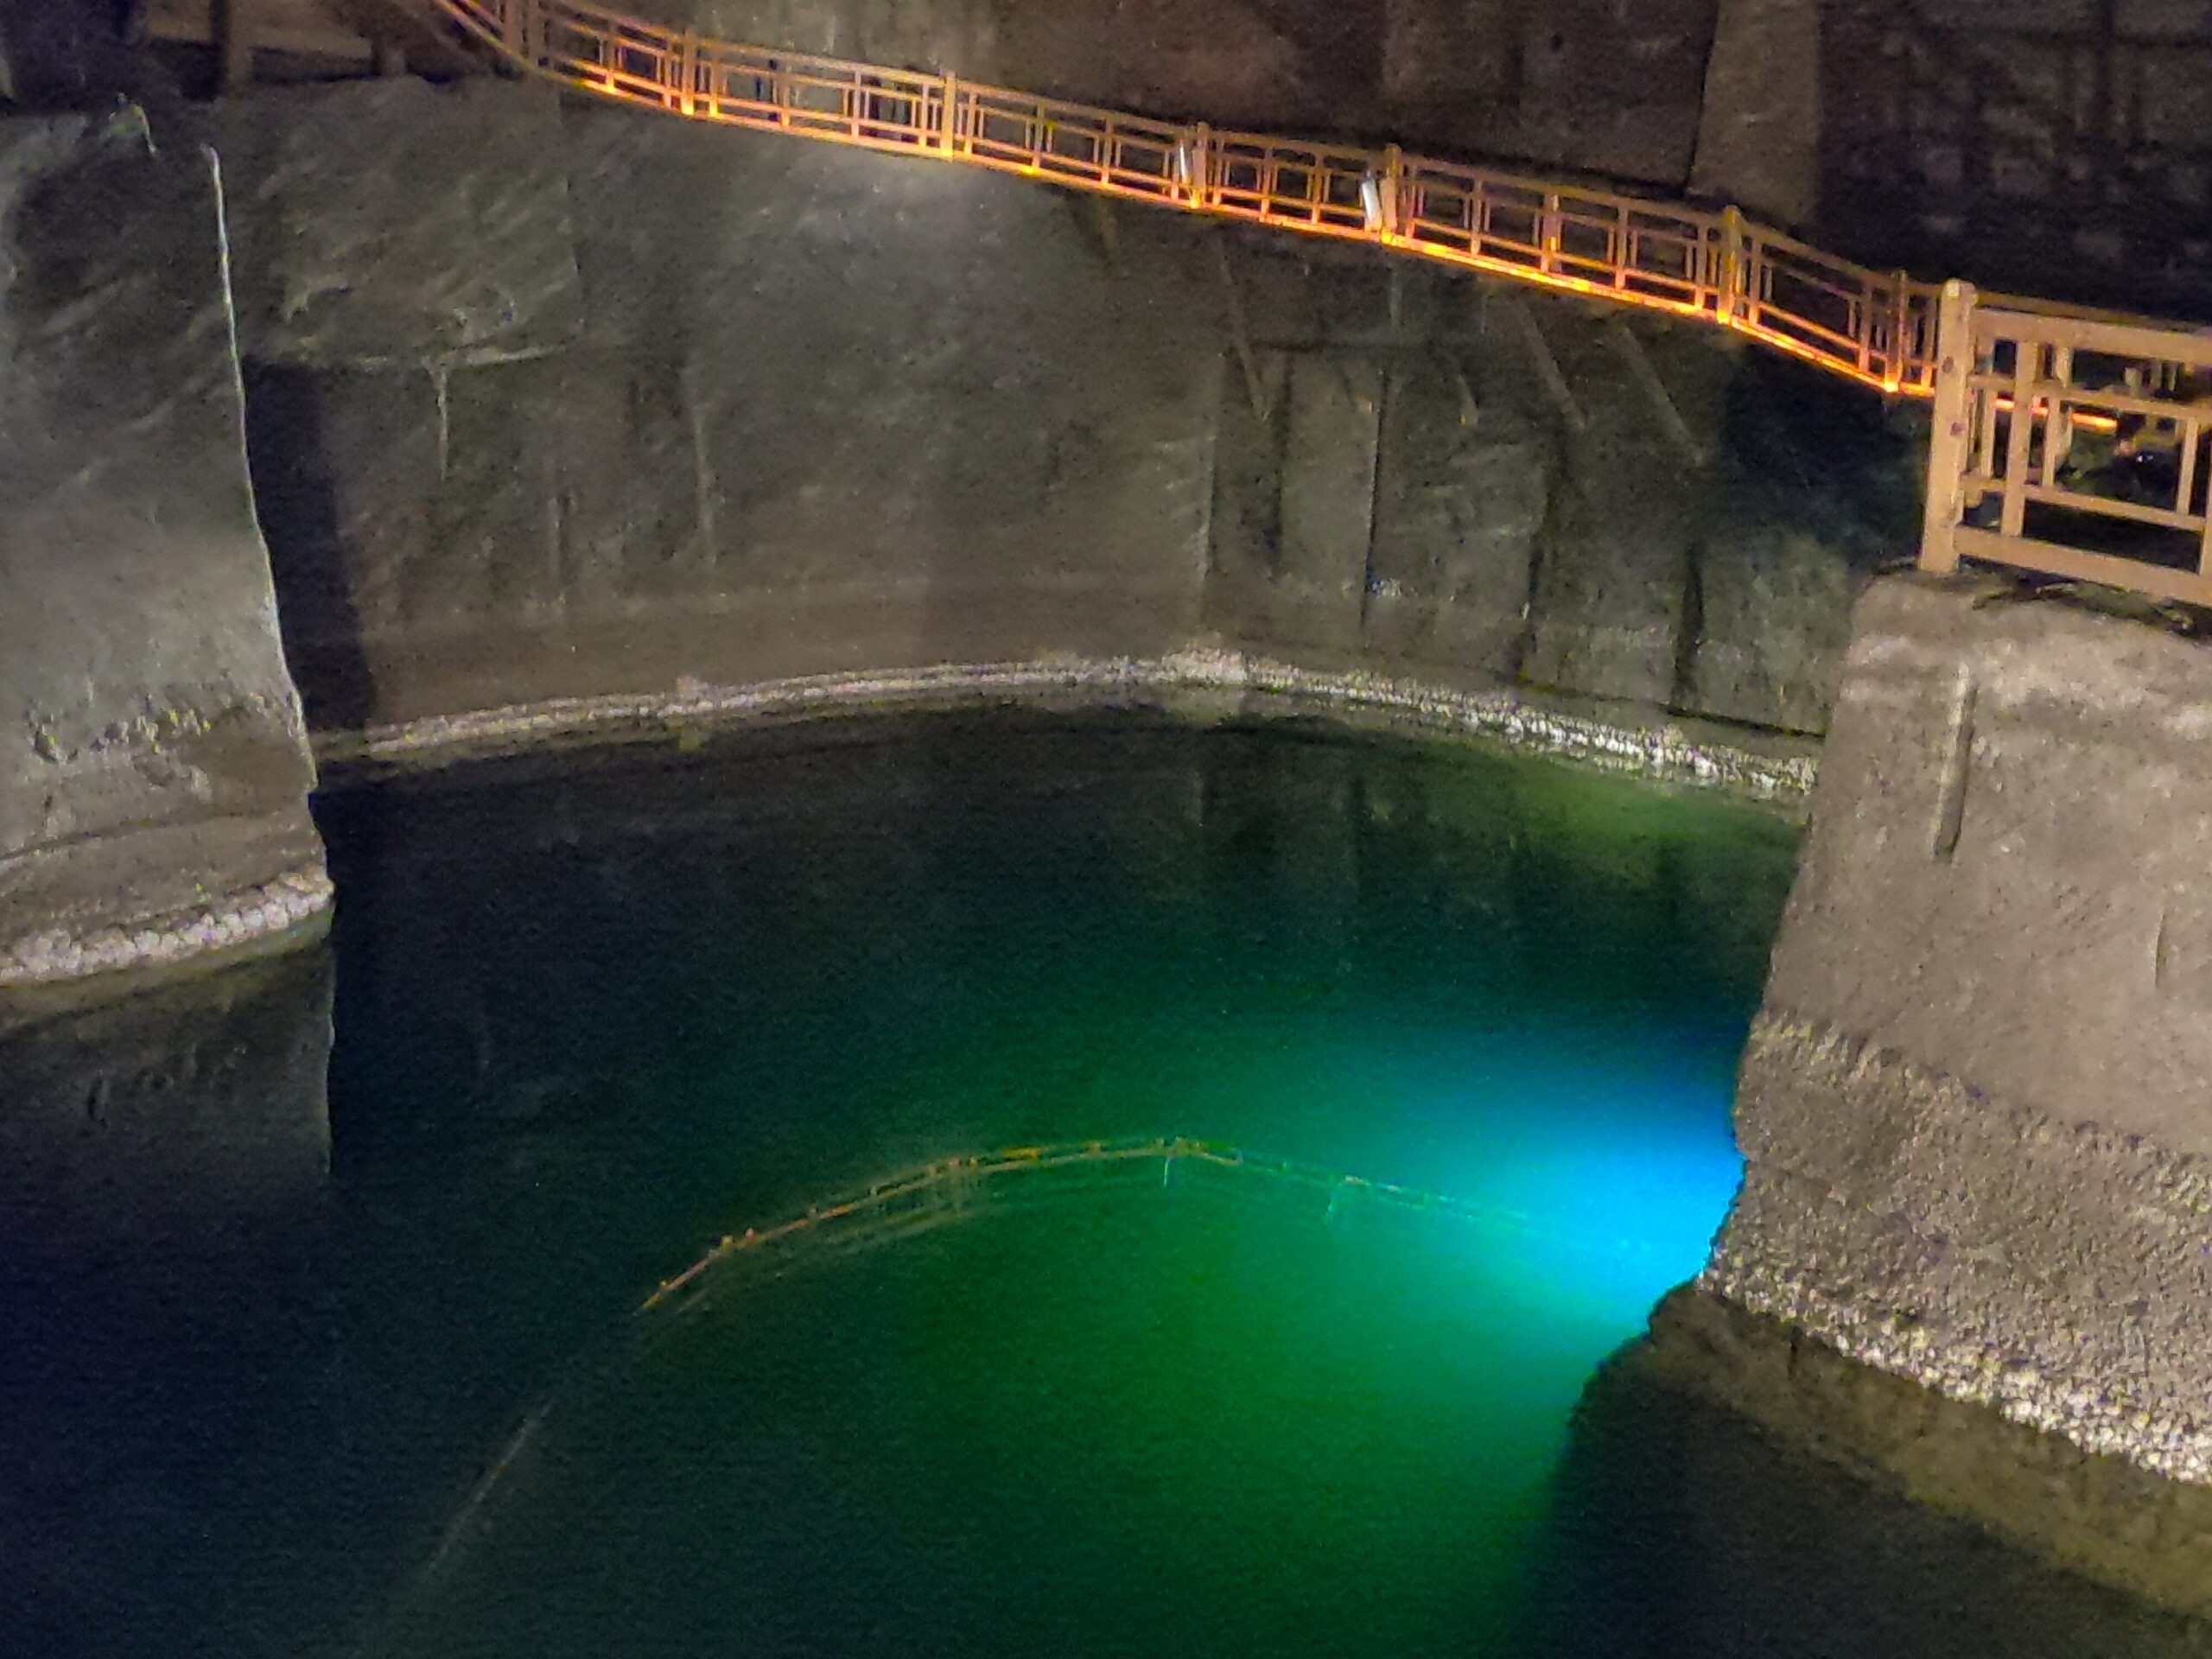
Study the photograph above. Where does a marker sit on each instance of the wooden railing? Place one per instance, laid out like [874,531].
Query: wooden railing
[2019,492]
[2071,443]
[1876,328]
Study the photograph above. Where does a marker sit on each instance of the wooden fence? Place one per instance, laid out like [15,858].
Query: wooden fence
[2101,478]
[2073,444]
[1876,328]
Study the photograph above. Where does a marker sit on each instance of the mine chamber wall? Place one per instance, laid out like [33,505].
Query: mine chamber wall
[154,765]
[548,400]
[1594,85]
[1972,1103]
[547,404]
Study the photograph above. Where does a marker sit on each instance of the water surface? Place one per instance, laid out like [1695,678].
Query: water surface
[1168,1421]
[590,1017]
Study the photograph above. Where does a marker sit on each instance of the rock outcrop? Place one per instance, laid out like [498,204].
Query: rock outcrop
[576,402]
[153,767]
[1971,1105]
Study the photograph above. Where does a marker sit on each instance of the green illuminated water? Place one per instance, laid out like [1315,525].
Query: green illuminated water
[1132,1418]
[1172,1427]
[591,1015]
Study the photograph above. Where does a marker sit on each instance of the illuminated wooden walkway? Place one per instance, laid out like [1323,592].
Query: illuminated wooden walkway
[1998,488]
[1876,328]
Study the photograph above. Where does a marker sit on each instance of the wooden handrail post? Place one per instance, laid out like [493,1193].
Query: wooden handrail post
[2185,492]
[687,71]
[1393,173]
[1948,438]
[1735,265]
[2019,433]
[1201,164]
[2058,430]
[517,20]
[948,135]
[1893,368]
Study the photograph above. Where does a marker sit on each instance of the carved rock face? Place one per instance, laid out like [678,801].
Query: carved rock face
[153,758]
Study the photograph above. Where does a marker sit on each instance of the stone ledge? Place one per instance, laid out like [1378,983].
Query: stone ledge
[2059,1274]
[2104,1517]
[1219,683]
[230,923]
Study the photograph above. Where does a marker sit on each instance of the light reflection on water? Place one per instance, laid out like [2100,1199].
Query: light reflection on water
[1464,975]
[587,1020]
[1184,1421]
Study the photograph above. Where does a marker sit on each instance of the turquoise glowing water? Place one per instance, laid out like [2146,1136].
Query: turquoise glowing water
[1125,1419]
[589,1017]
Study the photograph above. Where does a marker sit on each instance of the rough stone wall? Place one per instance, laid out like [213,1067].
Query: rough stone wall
[2061,148]
[1602,86]
[1469,483]
[1727,1436]
[1233,62]
[153,767]
[2051,148]
[1972,1103]
[1759,120]
[2057,147]
[781,410]
[684,407]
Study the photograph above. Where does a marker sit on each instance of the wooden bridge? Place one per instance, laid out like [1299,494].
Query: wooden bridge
[2104,478]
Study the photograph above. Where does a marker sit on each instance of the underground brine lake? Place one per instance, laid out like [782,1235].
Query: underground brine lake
[943,1186]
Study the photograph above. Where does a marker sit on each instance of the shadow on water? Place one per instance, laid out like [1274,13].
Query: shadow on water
[169,1426]
[1678,1530]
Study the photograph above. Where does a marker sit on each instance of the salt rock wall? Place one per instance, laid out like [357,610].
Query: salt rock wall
[775,409]
[2061,148]
[1468,484]
[154,766]
[1972,1105]
[2054,147]
[553,401]
[1605,86]
[1759,121]
[1660,1478]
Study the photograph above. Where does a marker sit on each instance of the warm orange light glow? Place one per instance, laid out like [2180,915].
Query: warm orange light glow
[1719,267]
[2090,418]
[1732,245]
